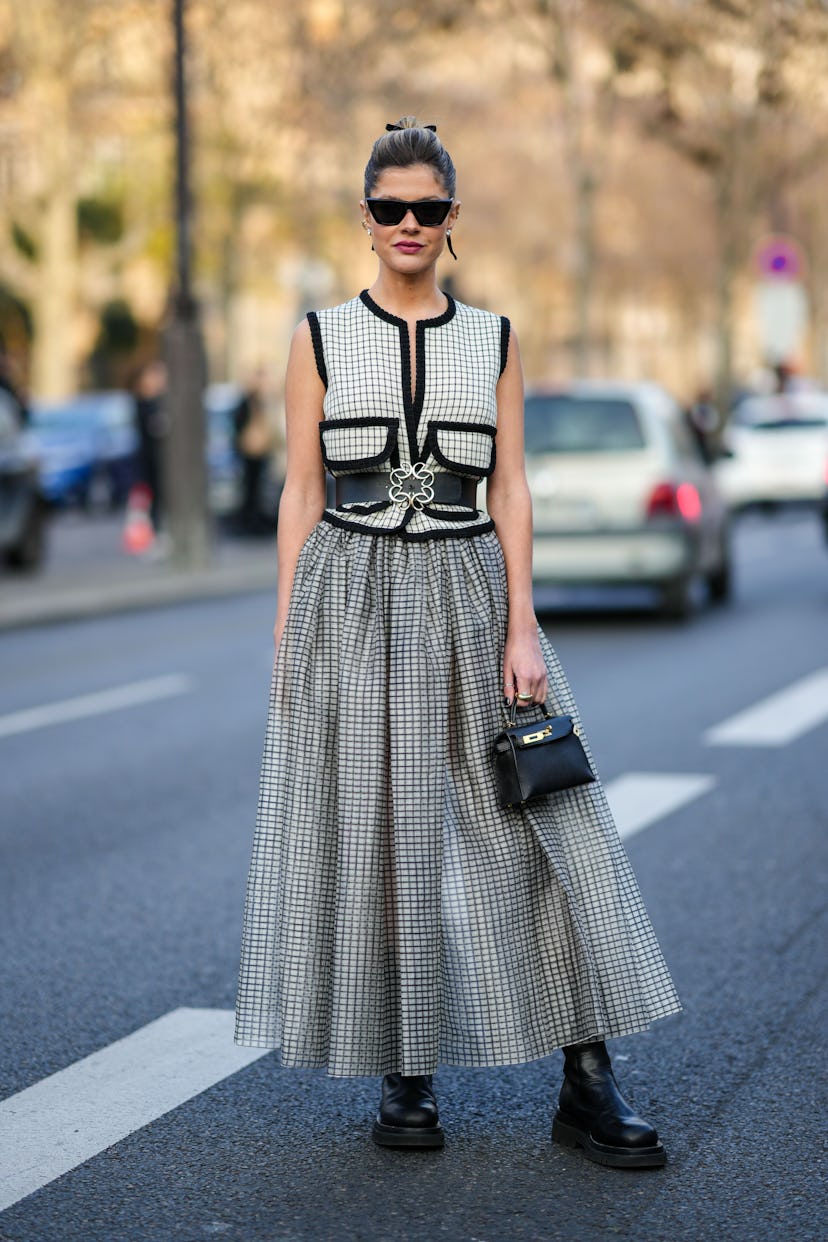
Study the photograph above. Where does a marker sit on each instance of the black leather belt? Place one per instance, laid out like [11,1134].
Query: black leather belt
[448,489]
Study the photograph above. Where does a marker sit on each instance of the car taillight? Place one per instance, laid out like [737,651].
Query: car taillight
[669,500]
[689,502]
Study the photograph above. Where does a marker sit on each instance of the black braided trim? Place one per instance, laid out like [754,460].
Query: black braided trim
[449,515]
[400,532]
[412,403]
[318,350]
[364,506]
[355,464]
[505,329]
[433,445]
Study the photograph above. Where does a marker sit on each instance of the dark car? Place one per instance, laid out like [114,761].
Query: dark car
[87,448]
[22,507]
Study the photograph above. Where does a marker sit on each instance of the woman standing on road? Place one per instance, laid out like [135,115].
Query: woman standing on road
[396,916]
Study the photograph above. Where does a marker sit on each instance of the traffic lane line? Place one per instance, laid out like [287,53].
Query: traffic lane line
[129,695]
[55,1125]
[638,799]
[779,719]
[71,1116]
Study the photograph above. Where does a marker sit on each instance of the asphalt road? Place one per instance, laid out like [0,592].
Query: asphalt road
[125,840]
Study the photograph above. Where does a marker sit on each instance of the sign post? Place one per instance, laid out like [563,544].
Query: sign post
[780,300]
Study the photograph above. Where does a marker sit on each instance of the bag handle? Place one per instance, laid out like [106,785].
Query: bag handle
[513,711]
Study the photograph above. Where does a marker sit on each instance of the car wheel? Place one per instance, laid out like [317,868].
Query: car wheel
[30,549]
[720,581]
[677,598]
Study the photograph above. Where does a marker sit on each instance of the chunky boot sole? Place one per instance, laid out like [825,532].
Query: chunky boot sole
[567,1135]
[408,1136]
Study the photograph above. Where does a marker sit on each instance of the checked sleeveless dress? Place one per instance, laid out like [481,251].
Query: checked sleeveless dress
[396,917]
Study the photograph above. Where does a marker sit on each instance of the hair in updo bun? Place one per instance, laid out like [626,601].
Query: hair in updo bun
[409,142]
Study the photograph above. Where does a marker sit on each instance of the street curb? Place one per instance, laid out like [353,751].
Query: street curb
[101,598]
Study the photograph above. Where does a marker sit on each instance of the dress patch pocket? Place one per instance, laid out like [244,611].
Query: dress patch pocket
[464,448]
[357,443]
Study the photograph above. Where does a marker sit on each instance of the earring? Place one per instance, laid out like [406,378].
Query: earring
[368,231]
[451,248]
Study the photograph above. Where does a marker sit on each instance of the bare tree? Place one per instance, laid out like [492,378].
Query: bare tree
[729,103]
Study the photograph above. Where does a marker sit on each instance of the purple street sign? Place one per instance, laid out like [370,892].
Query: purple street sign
[779,258]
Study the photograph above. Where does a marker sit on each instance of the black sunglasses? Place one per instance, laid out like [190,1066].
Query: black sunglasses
[428,212]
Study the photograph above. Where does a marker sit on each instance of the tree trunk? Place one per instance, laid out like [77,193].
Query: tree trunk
[53,363]
[728,268]
[584,270]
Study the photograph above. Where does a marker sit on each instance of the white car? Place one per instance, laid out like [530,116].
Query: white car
[777,449]
[621,493]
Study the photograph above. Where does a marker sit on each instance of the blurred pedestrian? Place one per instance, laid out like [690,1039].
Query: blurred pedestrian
[704,424]
[253,442]
[149,389]
[10,384]
[397,916]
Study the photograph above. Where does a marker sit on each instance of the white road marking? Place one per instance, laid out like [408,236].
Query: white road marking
[779,719]
[95,704]
[53,1126]
[65,1119]
[638,799]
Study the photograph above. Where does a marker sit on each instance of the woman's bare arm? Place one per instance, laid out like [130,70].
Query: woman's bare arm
[510,506]
[303,495]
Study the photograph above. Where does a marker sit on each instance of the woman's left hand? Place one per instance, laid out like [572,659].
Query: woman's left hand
[524,670]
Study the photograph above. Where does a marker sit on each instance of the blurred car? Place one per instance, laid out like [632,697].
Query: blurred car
[87,448]
[621,494]
[776,450]
[224,468]
[22,506]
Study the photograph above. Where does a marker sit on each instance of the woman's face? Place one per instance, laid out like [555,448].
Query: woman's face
[409,247]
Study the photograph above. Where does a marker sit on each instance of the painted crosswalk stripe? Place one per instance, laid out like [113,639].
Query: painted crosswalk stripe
[779,719]
[50,1128]
[638,799]
[58,1123]
[112,700]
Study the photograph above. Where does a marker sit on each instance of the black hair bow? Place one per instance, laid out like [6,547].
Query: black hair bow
[391,127]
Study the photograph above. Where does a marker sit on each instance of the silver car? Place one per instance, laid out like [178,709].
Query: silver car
[621,493]
[776,445]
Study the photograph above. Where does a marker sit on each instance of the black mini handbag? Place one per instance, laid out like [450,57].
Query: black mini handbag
[531,760]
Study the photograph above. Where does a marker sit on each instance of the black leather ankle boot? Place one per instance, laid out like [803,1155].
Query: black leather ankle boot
[593,1114]
[407,1114]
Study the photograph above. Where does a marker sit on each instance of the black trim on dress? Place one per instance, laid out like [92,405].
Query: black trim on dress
[318,348]
[378,310]
[505,331]
[356,464]
[467,532]
[412,402]
[450,515]
[433,445]
[364,507]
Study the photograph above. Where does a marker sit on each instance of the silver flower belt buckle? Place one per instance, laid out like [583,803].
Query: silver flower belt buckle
[410,486]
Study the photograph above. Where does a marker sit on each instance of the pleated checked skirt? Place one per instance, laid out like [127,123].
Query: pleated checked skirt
[396,917]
